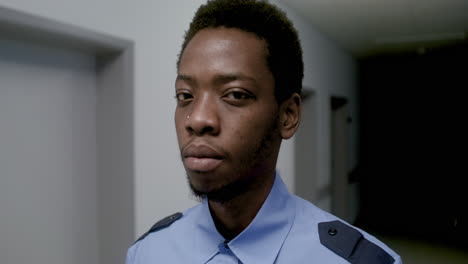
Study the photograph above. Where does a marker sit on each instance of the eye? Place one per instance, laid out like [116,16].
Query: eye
[183,96]
[238,97]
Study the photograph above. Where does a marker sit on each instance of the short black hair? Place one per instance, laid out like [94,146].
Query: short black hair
[284,52]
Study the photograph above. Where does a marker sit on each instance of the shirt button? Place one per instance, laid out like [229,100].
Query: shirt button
[332,231]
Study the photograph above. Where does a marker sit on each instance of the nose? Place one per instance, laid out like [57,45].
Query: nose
[204,118]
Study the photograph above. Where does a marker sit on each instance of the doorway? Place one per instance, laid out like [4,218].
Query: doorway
[66,137]
[306,147]
[339,157]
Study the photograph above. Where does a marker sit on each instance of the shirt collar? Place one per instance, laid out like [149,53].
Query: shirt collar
[204,236]
[260,242]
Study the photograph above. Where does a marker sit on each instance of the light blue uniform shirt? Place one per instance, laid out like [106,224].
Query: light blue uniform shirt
[285,230]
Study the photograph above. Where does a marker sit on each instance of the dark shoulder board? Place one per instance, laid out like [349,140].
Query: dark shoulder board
[351,245]
[165,222]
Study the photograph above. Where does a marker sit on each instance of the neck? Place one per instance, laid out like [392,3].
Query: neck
[232,217]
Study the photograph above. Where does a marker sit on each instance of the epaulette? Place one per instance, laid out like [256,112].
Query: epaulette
[165,222]
[351,245]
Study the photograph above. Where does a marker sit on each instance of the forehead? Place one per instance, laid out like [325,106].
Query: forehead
[224,47]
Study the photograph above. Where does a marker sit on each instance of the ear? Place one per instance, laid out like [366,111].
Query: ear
[290,116]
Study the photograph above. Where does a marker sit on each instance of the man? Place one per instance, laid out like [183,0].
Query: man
[238,85]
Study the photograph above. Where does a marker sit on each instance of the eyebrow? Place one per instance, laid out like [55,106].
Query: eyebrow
[227,78]
[182,77]
[220,78]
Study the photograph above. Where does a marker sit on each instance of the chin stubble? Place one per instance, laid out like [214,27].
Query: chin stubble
[241,185]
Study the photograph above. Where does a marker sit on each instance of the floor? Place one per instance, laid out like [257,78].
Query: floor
[421,252]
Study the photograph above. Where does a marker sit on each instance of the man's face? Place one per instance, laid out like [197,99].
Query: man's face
[226,115]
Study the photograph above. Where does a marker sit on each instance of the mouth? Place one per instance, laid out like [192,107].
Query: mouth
[201,158]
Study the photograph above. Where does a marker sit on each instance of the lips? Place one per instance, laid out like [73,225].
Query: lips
[201,158]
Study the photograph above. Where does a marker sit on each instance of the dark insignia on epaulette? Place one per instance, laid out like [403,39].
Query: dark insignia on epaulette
[160,225]
[351,245]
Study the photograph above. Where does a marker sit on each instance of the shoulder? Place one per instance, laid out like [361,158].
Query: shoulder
[161,224]
[353,244]
[162,240]
[342,239]
[167,227]
[141,250]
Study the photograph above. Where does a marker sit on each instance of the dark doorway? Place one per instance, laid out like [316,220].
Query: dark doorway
[411,144]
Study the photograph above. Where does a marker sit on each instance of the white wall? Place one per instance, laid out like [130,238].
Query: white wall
[328,71]
[157,29]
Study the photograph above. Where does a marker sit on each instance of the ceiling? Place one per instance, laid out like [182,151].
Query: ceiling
[369,27]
